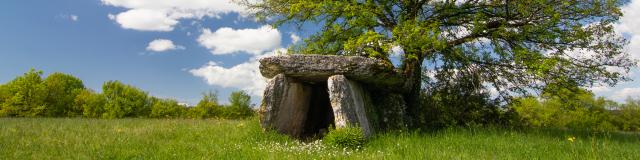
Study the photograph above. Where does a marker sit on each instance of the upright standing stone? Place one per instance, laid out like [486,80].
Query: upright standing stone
[285,105]
[348,103]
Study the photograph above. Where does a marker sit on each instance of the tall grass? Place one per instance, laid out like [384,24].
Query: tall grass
[52,138]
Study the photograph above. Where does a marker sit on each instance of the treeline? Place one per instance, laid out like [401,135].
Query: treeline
[464,103]
[63,95]
[577,109]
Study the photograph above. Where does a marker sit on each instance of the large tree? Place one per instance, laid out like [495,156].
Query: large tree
[62,91]
[516,46]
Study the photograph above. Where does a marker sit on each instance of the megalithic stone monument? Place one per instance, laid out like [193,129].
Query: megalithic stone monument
[307,94]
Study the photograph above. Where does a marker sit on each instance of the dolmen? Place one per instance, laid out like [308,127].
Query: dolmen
[308,94]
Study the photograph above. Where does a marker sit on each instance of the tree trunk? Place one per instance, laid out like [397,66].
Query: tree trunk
[412,70]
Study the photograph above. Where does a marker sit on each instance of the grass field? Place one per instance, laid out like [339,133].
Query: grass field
[58,138]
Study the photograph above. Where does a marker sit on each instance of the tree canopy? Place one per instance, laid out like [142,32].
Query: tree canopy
[511,44]
[516,46]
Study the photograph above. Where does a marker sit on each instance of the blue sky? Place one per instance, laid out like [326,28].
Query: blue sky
[200,44]
[96,48]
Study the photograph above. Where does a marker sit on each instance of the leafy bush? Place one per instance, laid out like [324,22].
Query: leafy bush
[62,91]
[239,106]
[573,108]
[91,103]
[627,116]
[457,99]
[166,108]
[124,101]
[24,96]
[350,137]
[208,106]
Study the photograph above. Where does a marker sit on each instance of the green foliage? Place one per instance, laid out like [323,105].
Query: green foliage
[627,116]
[91,103]
[239,106]
[4,95]
[459,99]
[574,108]
[519,47]
[514,44]
[63,95]
[166,108]
[350,137]
[62,91]
[124,101]
[24,96]
[208,106]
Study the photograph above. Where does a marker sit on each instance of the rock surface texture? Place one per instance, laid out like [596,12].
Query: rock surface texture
[308,94]
[348,103]
[321,67]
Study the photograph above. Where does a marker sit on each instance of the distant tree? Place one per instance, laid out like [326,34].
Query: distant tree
[4,95]
[239,106]
[517,46]
[208,106]
[124,101]
[92,104]
[566,107]
[25,96]
[62,91]
[628,115]
[166,108]
[460,100]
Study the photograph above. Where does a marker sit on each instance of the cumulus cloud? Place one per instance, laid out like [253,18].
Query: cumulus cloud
[163,15]
[245,76]
[600,89]
[630,26]
[145,20]
[228,40]
[626,93]
[294,38]
[161,45]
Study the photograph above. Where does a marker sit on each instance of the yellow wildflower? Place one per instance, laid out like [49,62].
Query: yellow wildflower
[571,139]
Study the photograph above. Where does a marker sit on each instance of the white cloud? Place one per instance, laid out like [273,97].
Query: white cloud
[111,16]
[294,38]
[629,24]
[161,45]
[600,89]
[625,93]
[74,17]
[163,15]
[145,20]
[245,76]
[228,40]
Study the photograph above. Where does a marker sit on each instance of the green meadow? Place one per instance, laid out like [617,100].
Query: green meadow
[78,138]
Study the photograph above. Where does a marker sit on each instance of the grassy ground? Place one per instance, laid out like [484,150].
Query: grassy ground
[51,138]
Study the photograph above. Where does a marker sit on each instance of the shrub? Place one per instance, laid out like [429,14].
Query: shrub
[91,103]
[166,108]
[572,108]
[125,101]
[239,106]
[457,99]
[208,106]
[627,117]
[62,91]
[24,96]
[350,137]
